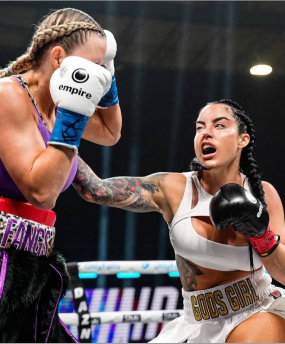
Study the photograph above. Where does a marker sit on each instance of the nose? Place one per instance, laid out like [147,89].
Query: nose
[207,135]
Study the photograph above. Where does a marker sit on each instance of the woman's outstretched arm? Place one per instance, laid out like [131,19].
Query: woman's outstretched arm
[137,194]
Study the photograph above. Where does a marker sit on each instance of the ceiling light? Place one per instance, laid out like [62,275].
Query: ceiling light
[260,69]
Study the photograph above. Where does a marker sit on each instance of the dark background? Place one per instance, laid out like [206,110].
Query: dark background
[173,58]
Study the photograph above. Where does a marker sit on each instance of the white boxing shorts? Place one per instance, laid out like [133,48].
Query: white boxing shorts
[210,315]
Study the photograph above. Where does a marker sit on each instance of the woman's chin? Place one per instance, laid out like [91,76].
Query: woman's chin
[209,164]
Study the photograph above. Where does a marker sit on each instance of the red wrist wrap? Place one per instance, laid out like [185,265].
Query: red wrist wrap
[266,243]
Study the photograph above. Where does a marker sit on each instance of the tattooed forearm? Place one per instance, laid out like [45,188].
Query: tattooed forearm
[142,206]
[129,193]
[188,272]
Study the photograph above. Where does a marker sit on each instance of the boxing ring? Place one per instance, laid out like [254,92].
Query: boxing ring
[83,319]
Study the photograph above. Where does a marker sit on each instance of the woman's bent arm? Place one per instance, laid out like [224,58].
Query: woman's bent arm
[104,127]
[39,172]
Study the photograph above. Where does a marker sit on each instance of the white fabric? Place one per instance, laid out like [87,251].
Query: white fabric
[80,96]
[188,244]
[255,290]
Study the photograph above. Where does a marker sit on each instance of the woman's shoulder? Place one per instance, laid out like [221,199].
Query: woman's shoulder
[174,183]
[12,96]
[272,197]
[178,181]
[177,177]
[10,88]
[9,84]
[269,189]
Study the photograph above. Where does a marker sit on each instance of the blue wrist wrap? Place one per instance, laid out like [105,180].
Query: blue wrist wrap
[111,97]
[68,128]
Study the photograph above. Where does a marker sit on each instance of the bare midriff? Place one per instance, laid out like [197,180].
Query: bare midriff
[194,277]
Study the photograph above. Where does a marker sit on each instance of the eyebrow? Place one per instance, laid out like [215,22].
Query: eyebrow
[213,121]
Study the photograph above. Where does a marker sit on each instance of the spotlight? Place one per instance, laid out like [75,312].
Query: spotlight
[261,69]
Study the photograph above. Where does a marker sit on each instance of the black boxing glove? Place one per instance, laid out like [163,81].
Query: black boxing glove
[234,205]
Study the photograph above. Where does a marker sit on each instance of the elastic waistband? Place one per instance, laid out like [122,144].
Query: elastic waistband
[228,299]
[25,227]
[27,211]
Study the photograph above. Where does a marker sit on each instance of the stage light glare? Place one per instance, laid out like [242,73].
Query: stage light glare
[128,275]
[173,274]
[261,69]
[85,275]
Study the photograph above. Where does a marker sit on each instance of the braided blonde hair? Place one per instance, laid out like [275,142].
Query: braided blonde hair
[67,26]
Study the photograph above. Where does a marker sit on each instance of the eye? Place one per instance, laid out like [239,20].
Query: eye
[198,128]
[219,125]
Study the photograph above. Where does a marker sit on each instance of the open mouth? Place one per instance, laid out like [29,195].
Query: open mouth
[208,150]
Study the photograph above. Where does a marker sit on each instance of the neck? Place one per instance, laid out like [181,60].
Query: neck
[38,82]
[214,179]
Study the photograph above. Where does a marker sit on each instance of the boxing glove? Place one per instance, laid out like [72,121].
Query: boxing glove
[111,98]
[76,88]
[234,205]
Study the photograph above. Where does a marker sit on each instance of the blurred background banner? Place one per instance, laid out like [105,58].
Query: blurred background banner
[173,58]
[126,299]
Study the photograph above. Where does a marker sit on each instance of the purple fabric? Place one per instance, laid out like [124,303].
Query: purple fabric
[36,323]
[57,302]
[68,332]
[7,185]
[3,271]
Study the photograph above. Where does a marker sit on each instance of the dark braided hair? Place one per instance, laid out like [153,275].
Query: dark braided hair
[248,164]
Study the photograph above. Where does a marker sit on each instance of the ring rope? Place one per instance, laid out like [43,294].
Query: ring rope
[141,266]
[124,317]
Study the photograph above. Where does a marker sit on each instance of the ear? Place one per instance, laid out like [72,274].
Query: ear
[244,140]
[57,54]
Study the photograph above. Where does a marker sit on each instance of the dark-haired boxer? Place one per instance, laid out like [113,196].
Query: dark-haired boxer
[227,294]
[66,90]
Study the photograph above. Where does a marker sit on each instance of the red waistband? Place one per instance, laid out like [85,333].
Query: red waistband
[27,211]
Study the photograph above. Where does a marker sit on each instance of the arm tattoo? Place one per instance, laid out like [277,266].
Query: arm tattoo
[188,272]
[129,193]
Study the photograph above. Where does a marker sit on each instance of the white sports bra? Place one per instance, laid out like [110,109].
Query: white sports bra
[188,244]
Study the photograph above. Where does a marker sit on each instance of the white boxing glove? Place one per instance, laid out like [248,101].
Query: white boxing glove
[111,98]
[111,47]
[76,87]
[79,84]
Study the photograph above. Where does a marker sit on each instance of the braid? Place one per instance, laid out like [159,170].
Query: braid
[4,72]
[68,33]
[248,164]
[57,31]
